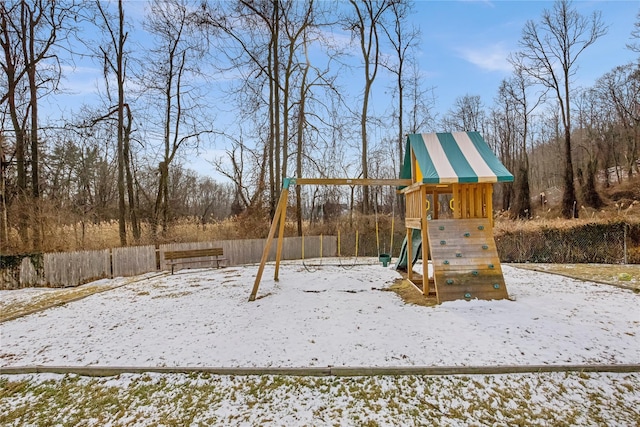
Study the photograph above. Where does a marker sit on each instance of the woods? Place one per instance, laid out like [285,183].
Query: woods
[199,114]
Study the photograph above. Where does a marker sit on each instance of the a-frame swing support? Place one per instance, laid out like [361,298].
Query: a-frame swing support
[279,217]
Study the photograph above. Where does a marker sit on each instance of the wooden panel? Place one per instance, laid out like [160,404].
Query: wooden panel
[479,291]
[413,223]
[465,260]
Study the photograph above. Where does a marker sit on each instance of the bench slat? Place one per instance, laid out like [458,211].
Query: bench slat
[193,253]
[180,257]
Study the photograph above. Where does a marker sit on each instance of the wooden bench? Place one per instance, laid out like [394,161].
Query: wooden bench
[187,256]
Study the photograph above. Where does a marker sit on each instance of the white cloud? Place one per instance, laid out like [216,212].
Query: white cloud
[489,58]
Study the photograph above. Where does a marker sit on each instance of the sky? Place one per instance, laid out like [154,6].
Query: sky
[466,43]
[463,50]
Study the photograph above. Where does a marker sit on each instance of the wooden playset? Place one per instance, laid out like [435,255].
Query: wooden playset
[462,250]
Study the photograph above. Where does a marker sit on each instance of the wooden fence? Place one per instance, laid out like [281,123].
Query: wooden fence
[73,268]
[66,269]
[134,260]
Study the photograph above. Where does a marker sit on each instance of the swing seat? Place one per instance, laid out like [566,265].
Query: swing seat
[385,259]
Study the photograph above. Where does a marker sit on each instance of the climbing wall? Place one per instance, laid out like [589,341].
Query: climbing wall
[465,260]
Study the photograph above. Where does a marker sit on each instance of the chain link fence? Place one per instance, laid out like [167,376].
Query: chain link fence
[613,243]
[599,243]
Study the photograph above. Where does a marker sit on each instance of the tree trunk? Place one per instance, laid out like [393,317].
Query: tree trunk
[590,196]
[363,130]
[569,202]
[122,214]
[133,212]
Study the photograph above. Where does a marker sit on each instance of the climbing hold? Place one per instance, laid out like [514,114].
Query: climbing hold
[485,247]
[441,227]
[467,295]
[496,286]
[467,234]
[481,227]
[449,281]
[474,272]
[443,242]
[490,266]
[458,255]
[446,262]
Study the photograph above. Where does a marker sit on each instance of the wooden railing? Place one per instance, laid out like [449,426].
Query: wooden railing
[415,206]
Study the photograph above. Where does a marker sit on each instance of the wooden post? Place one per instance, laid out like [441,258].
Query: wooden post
[425,240]
[436,204]
[409,254]
[490,203]
[456,193]
[414,167]
[282,206]
[283,219]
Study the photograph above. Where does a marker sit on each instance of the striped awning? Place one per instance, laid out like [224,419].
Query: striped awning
[448,158]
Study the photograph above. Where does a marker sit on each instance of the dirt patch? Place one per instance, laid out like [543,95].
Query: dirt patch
[410,294]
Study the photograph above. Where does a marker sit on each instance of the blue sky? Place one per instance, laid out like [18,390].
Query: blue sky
[465,44]
[463,50]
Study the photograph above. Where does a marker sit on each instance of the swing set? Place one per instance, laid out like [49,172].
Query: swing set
[279,220]
[383,256]
[461,250]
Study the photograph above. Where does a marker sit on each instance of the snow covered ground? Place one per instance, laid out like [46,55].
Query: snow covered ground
[328,317]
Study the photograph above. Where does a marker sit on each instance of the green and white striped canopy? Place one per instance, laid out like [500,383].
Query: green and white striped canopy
[449,158]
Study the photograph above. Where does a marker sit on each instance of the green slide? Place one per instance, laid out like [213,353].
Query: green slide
[416,249]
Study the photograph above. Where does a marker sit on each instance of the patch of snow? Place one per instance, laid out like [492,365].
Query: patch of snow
[329,317]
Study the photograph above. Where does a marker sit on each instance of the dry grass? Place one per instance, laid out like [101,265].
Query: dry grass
[202,399]
[54,297]
[105,235]
[60,235]
[43,299]
[627,276]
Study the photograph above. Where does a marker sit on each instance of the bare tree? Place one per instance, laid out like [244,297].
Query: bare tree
[403,37]
[593,140]
[173,66]
[467,114]
[31,30]
[549,53]
[620,89]
[248,34]
[114,57]
[635,36]
[421,102]
[519,104]
[364,27]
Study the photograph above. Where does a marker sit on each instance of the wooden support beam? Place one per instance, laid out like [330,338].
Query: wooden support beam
[281,214]
[409,254]
[413,223]
[282,206]
[349,181]
[425,242]
[283,219]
